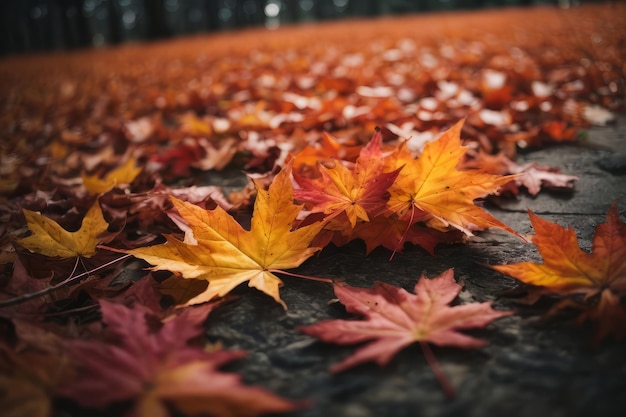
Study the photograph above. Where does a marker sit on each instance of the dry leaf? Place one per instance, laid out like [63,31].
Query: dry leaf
[432,184]
[50,239]
[227,255]
[395,319]
[156,369]
[125,174]
[567,269]
[31,369]
[358,193]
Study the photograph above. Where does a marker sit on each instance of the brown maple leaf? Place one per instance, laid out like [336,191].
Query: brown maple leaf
[358,193]
[33,363]
[158,369]
[432,184]
[568,270]
[226,255]
[395,319]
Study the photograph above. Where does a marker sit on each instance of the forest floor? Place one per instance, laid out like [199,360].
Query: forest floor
[541,92]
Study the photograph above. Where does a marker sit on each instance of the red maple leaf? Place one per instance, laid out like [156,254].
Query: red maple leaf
[357,193]
[158,369]
[395,319]
[392,233]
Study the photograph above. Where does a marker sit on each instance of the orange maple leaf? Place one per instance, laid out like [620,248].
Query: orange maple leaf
[567,269]
[395,319]
[432,184]
[50,239]
[358,193]
[328,147]
[226,255]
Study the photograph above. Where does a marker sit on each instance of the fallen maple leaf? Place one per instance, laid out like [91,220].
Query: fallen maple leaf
[159,369]
[391,233]
[50,239]
[533,176]
[608,315]
[226,255]
[432,184]
[567,269]
[358,193]
[32,365]
[124,174]
[395,319]
[328,147]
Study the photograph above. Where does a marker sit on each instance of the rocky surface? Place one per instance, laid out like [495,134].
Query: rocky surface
[529,368]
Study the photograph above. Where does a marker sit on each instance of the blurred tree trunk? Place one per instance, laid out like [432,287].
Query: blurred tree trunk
[156,19]
[115,23]
[290,11]
[364,7]
[211,9]
[249,12]
[39,25]
[74,28]
[14,33]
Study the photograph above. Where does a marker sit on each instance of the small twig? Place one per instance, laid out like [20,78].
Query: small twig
[448,389]
[61,313]
[291,274]
[68,281]
[111,249]
[76,266]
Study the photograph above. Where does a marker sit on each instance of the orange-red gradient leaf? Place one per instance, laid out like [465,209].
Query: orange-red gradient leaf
[566,267]
[358,193]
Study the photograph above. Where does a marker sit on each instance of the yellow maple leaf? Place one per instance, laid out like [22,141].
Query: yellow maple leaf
[431,184]
[124,174]
[227,255]
[50,239]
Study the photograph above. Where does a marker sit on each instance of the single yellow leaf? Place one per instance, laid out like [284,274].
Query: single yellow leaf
[227,255]
[50,239]
[432,184]
[124,174]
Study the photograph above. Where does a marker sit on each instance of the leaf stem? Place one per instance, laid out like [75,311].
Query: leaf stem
[70,280]
[448,389]
[291,274]
[401,242]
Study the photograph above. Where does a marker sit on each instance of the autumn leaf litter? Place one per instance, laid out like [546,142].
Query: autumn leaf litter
[390,139]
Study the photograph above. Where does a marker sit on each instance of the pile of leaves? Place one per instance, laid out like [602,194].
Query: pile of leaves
[389,136]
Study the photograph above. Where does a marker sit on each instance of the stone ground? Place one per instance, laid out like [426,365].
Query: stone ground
[529,368]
